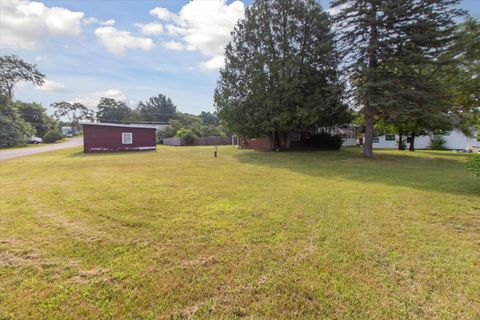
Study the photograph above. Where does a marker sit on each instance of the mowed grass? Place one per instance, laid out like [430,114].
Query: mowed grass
[179,234]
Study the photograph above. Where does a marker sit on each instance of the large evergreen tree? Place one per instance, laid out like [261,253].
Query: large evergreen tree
[280,72]
[393,49]
[157,109]
[462,79]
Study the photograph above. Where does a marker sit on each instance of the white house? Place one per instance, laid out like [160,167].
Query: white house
[455,140]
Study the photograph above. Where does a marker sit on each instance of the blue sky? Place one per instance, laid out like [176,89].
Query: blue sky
[129,49]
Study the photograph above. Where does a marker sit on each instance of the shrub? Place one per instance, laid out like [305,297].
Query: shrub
[403,146]
[167,132]
[438,143]
[10,134]
[326,141]
[52,136]
[186,135]
[474,165]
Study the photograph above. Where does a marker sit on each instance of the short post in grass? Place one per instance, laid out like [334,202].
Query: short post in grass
[215,152]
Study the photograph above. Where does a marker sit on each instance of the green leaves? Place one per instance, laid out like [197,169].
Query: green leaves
[281,71]
[13,70]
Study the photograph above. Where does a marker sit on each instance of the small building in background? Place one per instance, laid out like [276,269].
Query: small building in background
[67,132]
[454,140]
[113,137]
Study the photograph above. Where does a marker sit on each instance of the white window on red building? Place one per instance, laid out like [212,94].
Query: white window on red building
[127,138]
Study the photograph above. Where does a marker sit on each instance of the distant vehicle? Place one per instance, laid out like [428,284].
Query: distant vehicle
[68,135]
[34,140]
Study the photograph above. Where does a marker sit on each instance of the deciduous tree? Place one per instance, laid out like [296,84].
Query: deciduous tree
[73,113]
[111,110]
[13,70]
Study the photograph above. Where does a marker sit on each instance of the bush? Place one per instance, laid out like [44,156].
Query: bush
[438,143]
[326,141]
[187,136]
[167,132]
[474,165]
[10,134]
[52,136]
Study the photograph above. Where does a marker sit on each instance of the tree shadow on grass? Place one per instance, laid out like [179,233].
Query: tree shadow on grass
[440,171]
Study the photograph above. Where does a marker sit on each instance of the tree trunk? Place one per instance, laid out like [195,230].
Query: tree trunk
[368,142]
[400,141]
[372,66]
[412,143]
[272,139]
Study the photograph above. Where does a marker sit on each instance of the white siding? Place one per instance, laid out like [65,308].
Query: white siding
[454,140]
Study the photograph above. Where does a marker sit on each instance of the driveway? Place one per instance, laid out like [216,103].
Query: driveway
[8,154]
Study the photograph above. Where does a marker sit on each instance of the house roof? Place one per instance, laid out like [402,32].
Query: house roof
[143,126]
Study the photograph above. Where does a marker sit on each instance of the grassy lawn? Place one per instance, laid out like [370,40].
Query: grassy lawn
[181,234]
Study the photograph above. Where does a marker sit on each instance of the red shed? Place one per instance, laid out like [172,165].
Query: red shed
[108,137]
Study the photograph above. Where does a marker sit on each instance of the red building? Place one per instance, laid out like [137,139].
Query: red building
[112,137]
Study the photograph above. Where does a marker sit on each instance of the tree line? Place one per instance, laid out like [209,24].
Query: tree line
[20,120]
[401,65]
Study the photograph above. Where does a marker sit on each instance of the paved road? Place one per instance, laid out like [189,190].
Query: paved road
[8,154]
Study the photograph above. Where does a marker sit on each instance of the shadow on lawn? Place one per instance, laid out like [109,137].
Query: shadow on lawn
[422,170]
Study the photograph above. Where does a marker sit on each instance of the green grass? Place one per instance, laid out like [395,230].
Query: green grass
[181,234]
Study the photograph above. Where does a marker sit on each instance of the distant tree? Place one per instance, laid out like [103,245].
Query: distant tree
[157,109]
[12,111]
[167,132]
[388,45]
[280,72]
[53,135]
[10,134]
[13,70]
[111,110]
[37,116]
[462,79]
[209,118]
[187,120]
[186,135]
[73,113]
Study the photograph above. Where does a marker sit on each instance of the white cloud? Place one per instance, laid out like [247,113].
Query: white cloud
[151,29]
[204,26]
[93,20]
[214,63]
[91,101]
[41,58]
[162,13]
[54,86]
[175,31]
[26,24]
[117,41]
[174,45]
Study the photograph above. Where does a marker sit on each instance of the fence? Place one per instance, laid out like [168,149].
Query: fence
[200,141]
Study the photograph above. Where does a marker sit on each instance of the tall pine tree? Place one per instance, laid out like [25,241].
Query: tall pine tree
[393,49]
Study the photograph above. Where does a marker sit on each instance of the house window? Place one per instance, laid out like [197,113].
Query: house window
[295,136]
[375,140]
[390,137]
[127,138]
